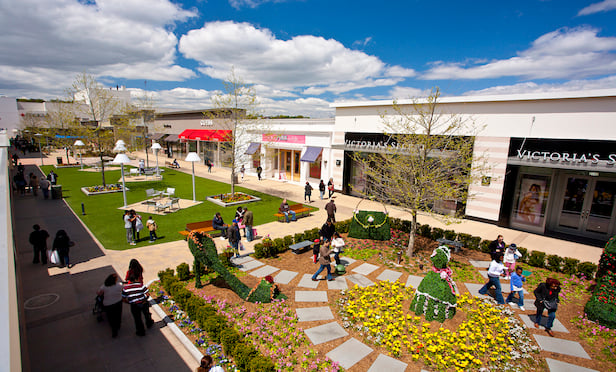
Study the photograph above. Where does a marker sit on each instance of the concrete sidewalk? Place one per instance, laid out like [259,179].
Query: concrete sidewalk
[59,331]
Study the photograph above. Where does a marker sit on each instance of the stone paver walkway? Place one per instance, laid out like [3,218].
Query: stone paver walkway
[307,282]
[360,280]
[325,332]
[529,321]
[558,366]
[264,271]
[349,353]
[250,265]
[413,281]
[310,296]
[365,269]
[310,314]
[387,363]
[558,345]
[338,283]
[389,275]
[285,276]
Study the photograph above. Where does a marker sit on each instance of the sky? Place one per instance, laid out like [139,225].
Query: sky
[302,55]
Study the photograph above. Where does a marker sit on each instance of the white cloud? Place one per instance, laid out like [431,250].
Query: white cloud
[70,36]
[603,6]
[563,53]
[532,87]
[311,107]
[302,61]
[238,4]
[407,92]
[363,42]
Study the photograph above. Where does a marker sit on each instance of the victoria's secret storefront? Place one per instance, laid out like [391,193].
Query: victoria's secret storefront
[561,186]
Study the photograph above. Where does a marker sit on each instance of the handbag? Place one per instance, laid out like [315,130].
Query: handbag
[54,257]
[241,246]
[551,304]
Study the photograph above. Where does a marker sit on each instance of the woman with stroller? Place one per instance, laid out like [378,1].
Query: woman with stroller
[111,292]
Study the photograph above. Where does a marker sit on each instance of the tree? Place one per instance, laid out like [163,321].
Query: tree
[428,160]
[100,105]
[238,106]
[142,115]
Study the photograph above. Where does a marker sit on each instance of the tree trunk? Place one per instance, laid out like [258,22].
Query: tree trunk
[232,181]
[68,161]
[410,249]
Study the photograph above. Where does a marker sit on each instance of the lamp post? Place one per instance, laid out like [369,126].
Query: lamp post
[79,143]
[193,157]
[155,148]
[121,159]
[38,135]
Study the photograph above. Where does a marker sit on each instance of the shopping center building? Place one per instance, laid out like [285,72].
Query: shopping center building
[551,158]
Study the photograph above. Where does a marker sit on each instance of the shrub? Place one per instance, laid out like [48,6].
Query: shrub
[554,263]
[299,237]
[261,364]
[587,269]
[485,246]
[437,233]
[198,269]
[474,243]
[312,234]
[607,262]
[214,326]
[464,239]
[524,252]
[243,354]
[536,259]
[183,271]
[260,251]
[193,304]
[229,339]
[570,266]
[203,313]
[288,240]
[425,231]
[278,246]
[450,234]
[395,224]
[343,226]
[165,274]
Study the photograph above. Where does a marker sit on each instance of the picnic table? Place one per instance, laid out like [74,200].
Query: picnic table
[298,247]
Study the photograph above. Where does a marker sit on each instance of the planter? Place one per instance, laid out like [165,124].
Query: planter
[97,190]
[225,200]
[72,165]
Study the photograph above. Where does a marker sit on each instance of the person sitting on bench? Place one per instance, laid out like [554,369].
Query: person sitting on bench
[284,209]
[175,163]
[219,224]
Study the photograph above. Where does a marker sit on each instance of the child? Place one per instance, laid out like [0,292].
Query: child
[316,247]
[517,280]
[152,227]
[511,255]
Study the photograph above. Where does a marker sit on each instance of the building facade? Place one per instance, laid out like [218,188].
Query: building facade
[551,158]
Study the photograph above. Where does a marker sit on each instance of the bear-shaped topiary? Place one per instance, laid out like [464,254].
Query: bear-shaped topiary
[436,295]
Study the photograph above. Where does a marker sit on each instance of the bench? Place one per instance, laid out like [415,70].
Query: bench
[299,247]
[202,227]
[299,209]
[457,245]
[169,164]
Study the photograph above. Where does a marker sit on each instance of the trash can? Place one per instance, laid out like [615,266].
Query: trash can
[56,191]
[59,160]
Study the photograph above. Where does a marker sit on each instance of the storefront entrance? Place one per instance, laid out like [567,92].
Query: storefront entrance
[289,164]
[586,206]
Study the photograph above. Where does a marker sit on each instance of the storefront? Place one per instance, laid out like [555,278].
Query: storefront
[212,145]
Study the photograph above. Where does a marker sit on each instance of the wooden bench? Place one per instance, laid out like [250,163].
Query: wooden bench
[202,227]
[299,209]
[299,247]
[169,164]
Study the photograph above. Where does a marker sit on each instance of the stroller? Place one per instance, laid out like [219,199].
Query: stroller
[98,308]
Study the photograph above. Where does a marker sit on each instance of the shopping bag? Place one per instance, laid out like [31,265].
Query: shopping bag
[241,246]
[254,232]
[54,257]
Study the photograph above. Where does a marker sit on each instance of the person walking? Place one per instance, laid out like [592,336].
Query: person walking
[209,166]
[495,271]
[331,209]
[259,171]
[321,189]
[497,246]
[546,297]
[207,365]
[34,184]
[248,223]
[234,237]
[141,166]
[134,268]
[111,291]
[307,191]
[152,227]
[517,280]
[52,177]
[327,230]
[330,187]
[242,171]
[337,245]
[62,244]
[128,225]
[136,294]
[325,262]
[38,239]
[44,185]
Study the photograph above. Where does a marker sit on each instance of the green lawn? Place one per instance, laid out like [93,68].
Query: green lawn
[104,218]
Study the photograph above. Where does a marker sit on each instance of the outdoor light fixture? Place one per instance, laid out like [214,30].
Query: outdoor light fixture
[155,148]
[122,159]
[79,143]
[193,157]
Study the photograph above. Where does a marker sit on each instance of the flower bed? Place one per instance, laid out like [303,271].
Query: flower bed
[225,200]
[488,335]
[96,190]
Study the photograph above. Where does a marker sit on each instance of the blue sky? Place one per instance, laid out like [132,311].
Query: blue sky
[303,55]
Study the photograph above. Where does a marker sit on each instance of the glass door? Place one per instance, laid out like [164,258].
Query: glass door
[296,164]
[588,207]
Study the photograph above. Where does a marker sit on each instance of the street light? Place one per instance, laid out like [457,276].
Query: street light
[122,159]
[155,148]
[40,152]
[79,143]
[193,157]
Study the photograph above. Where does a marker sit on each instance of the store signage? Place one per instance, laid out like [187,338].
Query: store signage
[207,122]
[287,138]
[370,145]
[565,157]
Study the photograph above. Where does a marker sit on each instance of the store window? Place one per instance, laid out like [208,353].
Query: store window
[531,201]
[315,168]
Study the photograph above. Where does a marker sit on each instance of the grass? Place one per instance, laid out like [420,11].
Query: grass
[104,218]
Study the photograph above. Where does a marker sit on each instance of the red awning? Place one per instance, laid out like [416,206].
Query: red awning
[206,135]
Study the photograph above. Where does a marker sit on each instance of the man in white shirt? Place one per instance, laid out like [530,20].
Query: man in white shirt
[495,271]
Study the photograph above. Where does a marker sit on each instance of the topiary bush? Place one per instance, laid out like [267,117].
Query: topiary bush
[554,263]
[587,269]
[602,305]
[370,225]
[607,262]
[536,259]
[183,271]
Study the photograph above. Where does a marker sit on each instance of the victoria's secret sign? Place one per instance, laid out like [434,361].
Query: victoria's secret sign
[565,157]
[563,152]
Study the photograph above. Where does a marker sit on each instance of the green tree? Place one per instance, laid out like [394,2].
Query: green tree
[428,161]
